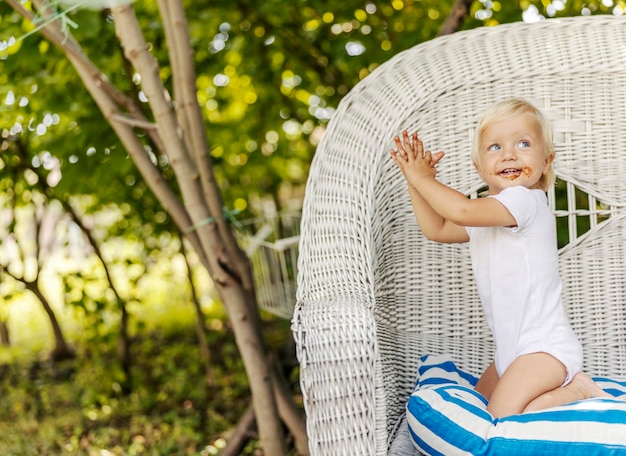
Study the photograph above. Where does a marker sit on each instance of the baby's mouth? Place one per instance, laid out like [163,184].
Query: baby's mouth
[510,173]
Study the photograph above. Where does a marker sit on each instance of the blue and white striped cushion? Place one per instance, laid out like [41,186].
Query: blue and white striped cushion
[447,417]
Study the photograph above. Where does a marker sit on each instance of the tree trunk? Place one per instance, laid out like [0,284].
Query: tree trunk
[5,339]
[205,352]
[203,202]
[61,348]
[123,346]
[124,349]
[289,411]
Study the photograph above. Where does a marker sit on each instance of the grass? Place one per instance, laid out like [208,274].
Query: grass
[76,407]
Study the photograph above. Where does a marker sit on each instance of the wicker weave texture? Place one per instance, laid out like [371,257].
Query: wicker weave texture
[374,295]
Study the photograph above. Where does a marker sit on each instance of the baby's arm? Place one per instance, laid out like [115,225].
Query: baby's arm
[432,224]
[453,208]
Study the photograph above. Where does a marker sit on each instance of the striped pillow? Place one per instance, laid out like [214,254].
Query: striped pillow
[447,417]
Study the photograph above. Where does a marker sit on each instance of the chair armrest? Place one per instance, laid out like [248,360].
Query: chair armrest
[341,377]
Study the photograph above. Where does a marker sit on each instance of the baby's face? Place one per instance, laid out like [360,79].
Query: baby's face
[512,153]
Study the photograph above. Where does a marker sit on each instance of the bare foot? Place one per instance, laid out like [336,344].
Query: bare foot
[587,387]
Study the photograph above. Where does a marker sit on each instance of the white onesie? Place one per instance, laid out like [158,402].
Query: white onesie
[517,275]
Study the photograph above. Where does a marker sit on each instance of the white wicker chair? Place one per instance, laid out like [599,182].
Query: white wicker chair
[374,295]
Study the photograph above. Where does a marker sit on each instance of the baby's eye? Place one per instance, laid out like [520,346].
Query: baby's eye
[494,147]
[523,143]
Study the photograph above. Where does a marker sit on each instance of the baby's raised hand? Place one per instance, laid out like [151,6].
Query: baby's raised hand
[413,160]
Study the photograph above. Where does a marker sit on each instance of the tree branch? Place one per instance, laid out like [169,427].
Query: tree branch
[139,123]
[455,19]
[108,98]
[241,435]
[65,41]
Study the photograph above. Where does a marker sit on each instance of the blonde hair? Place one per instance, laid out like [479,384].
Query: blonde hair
[510,108]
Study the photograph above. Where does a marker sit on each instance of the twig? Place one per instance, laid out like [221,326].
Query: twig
[139,123]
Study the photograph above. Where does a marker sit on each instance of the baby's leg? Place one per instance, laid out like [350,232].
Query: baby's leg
[581,387]
[488,381]
[587,386]
[528,377]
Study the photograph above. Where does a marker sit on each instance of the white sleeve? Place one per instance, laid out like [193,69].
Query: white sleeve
[521,203]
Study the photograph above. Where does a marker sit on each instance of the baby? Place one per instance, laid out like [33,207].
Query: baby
[512,238]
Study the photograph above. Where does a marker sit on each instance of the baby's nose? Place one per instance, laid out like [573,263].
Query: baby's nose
[509,152]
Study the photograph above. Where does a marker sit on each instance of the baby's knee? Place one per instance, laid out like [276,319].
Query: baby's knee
[542,402]
[499,409]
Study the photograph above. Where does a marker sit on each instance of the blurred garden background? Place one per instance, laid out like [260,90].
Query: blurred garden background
[114,335]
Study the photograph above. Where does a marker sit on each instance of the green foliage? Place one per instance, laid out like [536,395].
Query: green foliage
[269,77]
[76,407]
[44,107]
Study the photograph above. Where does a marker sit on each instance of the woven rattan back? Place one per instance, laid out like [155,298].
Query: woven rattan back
[360,242]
